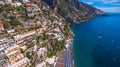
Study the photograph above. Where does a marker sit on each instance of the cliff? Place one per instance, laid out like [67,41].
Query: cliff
[47,18]
[74,10]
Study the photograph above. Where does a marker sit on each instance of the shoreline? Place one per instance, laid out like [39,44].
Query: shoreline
[65,57]
[104,15]
[70,48]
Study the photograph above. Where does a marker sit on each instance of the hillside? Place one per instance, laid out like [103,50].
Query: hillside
[42,28]
[73,10]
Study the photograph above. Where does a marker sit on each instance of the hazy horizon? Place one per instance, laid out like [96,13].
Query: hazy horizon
[105,5]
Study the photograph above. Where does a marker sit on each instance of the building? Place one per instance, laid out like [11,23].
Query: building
[10,54]
[24,35]
[6,43]
[13,54]
[15,57]
[2,44]
[23,47]
[25,62]
[10,31]
[41,30]
[7,1]
[51,60]
[12,50]
[28,5]
[2,39]
[42,53]
[1,26]
[3,61]
[25,1]
[16,4]
[2,3]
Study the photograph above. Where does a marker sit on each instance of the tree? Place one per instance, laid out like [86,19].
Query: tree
[15,22]
[6,25]
[38,39]
[51,53]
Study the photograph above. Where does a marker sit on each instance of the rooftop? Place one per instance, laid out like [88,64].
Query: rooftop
[2,38]
[1,24]
[28,5]
[23,35]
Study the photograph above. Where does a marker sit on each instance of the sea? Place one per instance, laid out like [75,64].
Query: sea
[97,42]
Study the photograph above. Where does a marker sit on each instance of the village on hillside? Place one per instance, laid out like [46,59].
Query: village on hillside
[31,35]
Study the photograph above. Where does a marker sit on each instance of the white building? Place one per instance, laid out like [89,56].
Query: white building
[51,60]
[7,1]
[24,35]
[10,31]
[3,40]
[25,1]
[2,3]
[16,4]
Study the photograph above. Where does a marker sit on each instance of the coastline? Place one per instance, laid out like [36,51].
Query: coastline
[65,57]
[101,45]
[48,26]
[71,45]
[105,14]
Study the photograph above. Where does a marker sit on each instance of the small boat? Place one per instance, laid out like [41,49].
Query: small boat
[113,40]
[99,37]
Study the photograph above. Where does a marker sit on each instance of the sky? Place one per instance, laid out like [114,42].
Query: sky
[105,5]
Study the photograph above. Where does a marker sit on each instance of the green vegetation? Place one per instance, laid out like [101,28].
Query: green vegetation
[32,17]
[66,31]
[21,50]
[31,28]
[21,9]
[12,17]
[38,39]
[64,12]
[51,53]
[55,46]
[15,22]
[27,17]
[29,44]
[7,8]
[6,25]
[30,55]
[61,45]
[52,19]
[33,59]
[2,61]
[1,9]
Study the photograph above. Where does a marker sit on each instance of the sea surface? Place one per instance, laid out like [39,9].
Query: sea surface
[97,42]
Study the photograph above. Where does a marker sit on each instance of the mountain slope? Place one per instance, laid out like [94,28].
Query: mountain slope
[73,10]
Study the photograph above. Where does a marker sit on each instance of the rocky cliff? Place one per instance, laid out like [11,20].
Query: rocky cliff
[74,10]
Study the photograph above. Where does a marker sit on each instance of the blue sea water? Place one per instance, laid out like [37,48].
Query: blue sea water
[97,42]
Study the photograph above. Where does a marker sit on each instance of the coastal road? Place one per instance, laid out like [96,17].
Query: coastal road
[68,59]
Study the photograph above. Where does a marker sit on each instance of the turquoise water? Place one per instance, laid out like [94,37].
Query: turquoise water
[97,42]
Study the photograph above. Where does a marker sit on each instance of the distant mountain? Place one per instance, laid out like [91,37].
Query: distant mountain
[74,10]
